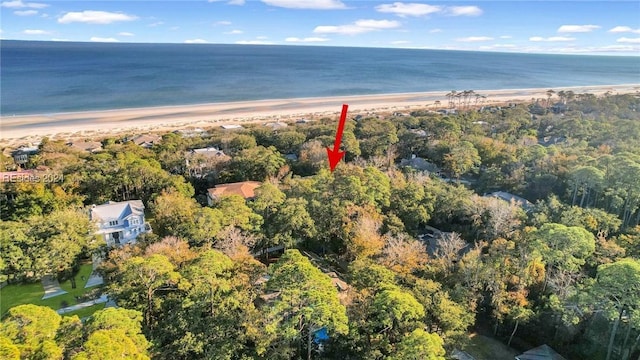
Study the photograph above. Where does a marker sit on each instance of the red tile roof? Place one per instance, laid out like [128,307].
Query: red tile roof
[246,189]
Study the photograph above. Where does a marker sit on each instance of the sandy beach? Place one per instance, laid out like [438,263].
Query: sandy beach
[30,128]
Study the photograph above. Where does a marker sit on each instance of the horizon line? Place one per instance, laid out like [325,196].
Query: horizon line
[617,54]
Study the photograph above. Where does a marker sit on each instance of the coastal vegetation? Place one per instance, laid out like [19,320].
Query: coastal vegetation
[402,252]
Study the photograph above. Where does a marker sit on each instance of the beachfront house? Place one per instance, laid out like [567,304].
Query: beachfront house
[147,140]
[276,125]
[119,223]
[246,189]
[22,154]
[199,162]
[86,146]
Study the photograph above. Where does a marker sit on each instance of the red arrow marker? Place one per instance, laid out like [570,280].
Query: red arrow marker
[335,155]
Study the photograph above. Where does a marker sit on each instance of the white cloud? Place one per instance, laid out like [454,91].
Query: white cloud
[124,33]
[36,32]
[102,39]
[222,22]
[551,39]
[26,12]
[230,2]
[629,40]
[58,39]
[474,39]
[400,42]
[174,28]
[416,9]
[306,40]
[435,31]
[157,23]
[464,11]
[408,9]
[506,37]
[262,37]
[359,27]
[253,42]
[234,32]
[577,28]
[95,17]
[18,4]
[497,47]
[196,41]
[307,4]
[624,29]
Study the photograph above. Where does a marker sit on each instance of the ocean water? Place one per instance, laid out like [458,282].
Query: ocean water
[48,77]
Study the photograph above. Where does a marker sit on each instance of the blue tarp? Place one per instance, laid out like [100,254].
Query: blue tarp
[321,335]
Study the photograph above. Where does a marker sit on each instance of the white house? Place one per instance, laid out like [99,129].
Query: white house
[119,223]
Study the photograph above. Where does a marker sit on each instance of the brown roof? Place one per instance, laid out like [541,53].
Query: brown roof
[146,139]
[246,189]
[89,146]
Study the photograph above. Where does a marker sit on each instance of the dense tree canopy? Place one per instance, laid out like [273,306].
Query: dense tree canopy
[374,260]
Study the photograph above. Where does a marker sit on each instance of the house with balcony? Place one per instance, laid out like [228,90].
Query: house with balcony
[119,223]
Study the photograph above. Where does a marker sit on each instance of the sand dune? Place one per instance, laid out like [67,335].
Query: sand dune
[15,129]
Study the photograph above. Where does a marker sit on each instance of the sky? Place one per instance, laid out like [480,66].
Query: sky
[562,27]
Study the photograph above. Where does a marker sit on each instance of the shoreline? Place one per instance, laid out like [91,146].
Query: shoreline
[103,123]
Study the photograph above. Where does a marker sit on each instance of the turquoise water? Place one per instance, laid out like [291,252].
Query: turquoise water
[46,77]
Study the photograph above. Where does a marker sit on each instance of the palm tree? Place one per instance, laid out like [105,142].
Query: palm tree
[550,93]
[563,96]
[450,96]
[459,96]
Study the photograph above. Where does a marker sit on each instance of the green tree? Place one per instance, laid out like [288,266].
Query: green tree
[236,212]
[618,289]
[258,163]
[15,248]
[292,223]
[59,240]
[8,350]
[241,142]
[174,215]
[375,136]
[289,141]
[140,282]
[396,312]
[411,204]
[110,344]
[564,248]
[419,344]
[127,321]
[462,158]
[32,329]
[307,301]
[215,318]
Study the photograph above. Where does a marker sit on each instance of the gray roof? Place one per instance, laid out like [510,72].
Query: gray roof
[542,352]
[116,210]
[508,197]
[210,151]
[419,163]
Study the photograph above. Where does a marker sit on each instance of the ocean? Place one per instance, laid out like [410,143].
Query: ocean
[50,77]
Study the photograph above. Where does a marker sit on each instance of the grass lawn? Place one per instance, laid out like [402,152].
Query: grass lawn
[86,312]
[485,348]
[18,294]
